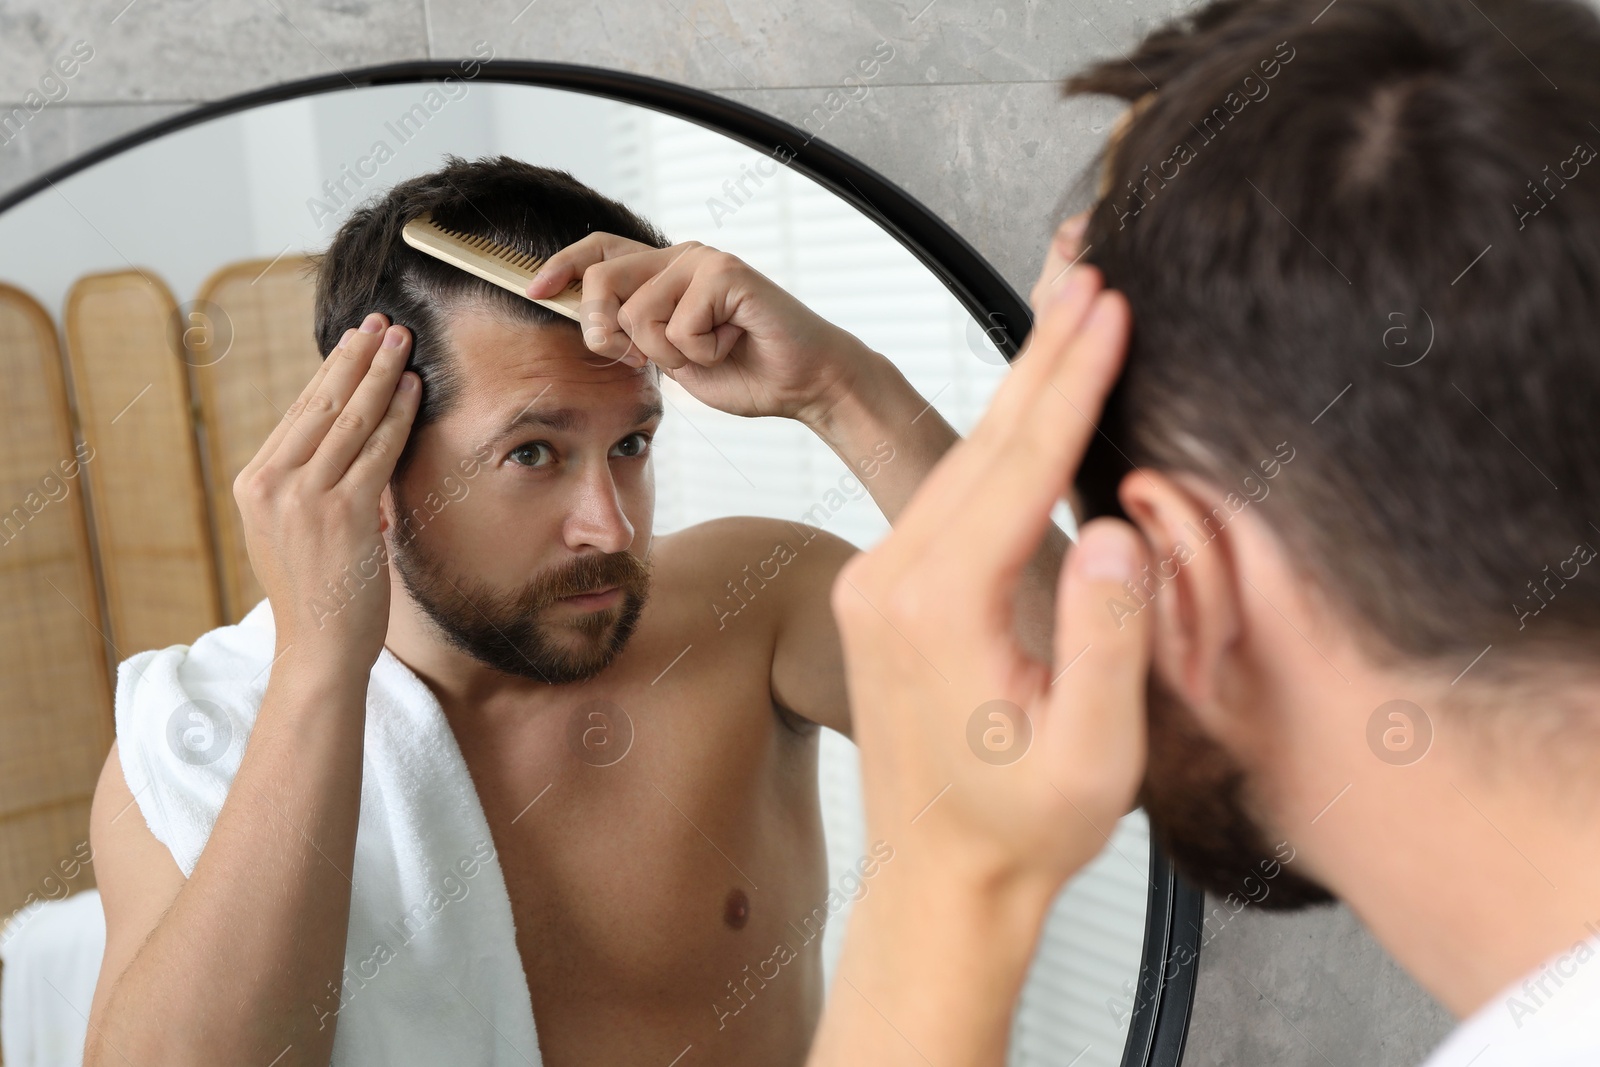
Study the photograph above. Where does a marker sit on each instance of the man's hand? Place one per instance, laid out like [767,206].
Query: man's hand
[925,618]
[720,328]
[984,839]
[309,497]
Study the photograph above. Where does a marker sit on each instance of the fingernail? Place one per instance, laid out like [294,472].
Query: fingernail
[372,323]
[351,332]
[1105,553]
[408,382]
[394,337]
[538,279]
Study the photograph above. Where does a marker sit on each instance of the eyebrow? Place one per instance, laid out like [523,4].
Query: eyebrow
[568,419]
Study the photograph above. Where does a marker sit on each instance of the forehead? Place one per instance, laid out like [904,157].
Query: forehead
[506,367]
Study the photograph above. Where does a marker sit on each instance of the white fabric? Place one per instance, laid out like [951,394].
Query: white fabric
[51,951]
[1548,1018]
[432,973]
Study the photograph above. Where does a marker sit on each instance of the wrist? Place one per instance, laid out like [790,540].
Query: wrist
[319,671]
[958,893]
[866,379]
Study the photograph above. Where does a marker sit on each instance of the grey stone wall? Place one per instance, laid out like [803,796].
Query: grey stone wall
[966,116]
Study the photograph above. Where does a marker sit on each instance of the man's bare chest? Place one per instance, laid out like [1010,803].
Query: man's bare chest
[645,829]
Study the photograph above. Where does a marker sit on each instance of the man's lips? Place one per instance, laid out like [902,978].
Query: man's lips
[592,599]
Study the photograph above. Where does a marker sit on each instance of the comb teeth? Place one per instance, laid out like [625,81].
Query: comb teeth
[491,247]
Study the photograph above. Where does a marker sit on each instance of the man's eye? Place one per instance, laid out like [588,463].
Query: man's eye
[633,446]
[539,450]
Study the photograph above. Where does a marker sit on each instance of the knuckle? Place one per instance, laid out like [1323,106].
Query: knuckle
[724,265]
[350,420]
[318,403]
[380,446]
[298,499]
[344,501]
[677,334]
[246,490]
[905,603]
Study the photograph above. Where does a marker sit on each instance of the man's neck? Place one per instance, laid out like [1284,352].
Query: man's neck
[1469,880]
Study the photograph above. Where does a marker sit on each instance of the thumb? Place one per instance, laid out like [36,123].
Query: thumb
[1095,734]
[727,335]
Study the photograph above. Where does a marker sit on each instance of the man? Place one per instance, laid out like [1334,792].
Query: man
[1354,584]
[643,754]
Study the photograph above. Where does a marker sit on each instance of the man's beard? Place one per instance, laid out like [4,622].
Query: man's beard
[1195,792]
[507,631]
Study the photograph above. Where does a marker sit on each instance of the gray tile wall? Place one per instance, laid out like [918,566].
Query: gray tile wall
[966,116]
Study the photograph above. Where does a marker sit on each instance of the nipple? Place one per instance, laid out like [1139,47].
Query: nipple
[736,912]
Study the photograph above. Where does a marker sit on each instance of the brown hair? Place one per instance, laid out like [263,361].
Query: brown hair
[1315,196]
[368,266]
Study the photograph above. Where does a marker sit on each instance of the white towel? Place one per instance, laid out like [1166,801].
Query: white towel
[432,973]
[51,951]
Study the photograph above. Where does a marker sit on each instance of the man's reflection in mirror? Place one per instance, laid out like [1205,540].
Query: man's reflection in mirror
[638,713]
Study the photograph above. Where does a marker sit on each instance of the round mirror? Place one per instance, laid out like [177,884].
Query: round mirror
[157,311]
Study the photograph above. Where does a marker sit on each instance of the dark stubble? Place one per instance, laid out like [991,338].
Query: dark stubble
[508,629]
[1196,795]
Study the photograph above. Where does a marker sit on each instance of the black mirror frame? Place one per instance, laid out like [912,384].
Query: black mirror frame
[1164,992]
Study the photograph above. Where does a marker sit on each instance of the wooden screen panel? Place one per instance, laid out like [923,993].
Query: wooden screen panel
[253,352]
[55,681]
[147,496]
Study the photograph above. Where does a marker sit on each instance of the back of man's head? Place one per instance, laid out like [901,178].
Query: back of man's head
[368,266]
[1371,229]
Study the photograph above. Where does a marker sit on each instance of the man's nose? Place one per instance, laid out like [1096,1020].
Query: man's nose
[597,519]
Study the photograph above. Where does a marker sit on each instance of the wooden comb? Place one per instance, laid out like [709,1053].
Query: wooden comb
[489,260]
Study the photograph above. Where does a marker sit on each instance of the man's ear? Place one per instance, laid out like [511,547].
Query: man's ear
[1191,583]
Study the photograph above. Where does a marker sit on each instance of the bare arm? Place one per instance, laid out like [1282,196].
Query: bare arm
[231,965]
[241,962]
[891,438]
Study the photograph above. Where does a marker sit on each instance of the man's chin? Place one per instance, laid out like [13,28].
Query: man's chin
[579,646]
[1219,850]
[1196,796]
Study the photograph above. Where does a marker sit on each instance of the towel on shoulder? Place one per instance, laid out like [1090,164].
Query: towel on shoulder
[432,974]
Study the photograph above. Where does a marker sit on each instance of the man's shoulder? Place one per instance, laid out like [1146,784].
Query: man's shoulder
[748,566]
[713,544]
